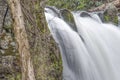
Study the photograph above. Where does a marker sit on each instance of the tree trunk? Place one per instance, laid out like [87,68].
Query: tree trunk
[21,38]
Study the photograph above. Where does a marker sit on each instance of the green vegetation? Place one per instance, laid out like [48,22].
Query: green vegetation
[108,18]
[84,5]
[14,77]
[74,4]
[110,15]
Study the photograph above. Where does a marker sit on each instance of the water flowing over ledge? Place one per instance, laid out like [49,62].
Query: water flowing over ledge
[89,47]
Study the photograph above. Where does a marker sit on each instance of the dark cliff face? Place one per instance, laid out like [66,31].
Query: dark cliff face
[7,20]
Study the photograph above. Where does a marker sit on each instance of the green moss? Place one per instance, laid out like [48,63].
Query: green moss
[75,4]
[107,18]
[67,15]
[113,19]
[56,63]
[16,76]
[9,51]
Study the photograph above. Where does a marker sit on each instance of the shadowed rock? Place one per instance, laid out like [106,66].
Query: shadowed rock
[52,10]
[97,16]
[118,19]
[101,15]
[94,15]
[84,14]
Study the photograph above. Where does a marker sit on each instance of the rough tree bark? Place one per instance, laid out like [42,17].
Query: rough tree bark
[21,38]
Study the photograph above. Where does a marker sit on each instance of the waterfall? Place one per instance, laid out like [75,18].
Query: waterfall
[92,52]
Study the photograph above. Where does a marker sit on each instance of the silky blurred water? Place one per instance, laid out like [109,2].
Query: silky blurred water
[91,53]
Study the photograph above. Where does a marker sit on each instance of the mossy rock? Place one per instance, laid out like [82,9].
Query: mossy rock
[109,18]
[110,14]
[67,16]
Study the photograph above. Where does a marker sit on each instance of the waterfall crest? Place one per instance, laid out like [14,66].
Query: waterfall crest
[90,53]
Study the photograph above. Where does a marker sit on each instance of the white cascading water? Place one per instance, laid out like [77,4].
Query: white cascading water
[92,53]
